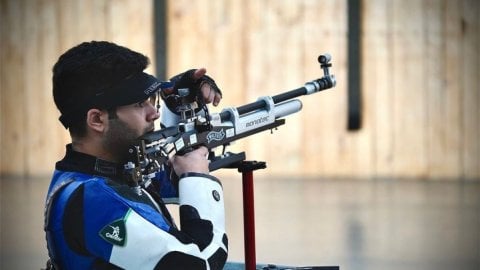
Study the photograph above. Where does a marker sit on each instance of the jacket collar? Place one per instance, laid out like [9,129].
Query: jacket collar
[84,163]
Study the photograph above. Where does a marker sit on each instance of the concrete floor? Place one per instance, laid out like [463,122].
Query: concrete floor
[355,224]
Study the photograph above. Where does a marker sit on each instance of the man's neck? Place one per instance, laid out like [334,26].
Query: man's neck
[91,147]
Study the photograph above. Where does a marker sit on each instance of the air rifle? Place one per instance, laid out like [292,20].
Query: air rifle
[153,150]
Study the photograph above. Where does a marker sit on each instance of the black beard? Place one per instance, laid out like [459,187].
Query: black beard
[119,138]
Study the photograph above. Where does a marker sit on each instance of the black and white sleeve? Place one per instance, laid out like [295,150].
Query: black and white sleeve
[202,223]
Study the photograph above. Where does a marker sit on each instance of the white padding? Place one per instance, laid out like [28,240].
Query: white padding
[202,194]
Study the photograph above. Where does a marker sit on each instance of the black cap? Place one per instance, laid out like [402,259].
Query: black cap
[133,89]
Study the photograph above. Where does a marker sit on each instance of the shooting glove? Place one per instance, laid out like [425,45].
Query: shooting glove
[185,80]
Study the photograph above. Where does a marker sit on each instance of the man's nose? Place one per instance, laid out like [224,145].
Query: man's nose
[153,113]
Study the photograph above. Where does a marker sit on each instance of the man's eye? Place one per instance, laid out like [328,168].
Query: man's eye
[144,103]
[152,99]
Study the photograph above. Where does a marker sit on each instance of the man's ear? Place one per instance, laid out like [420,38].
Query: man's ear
[97,119]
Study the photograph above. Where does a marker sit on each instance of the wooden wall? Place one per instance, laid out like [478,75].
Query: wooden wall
[33,35]
[420,78]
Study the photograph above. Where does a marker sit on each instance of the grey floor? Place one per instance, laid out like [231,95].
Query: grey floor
[355,224]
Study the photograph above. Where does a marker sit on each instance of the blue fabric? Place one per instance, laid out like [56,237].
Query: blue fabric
[102,205]
[167,189]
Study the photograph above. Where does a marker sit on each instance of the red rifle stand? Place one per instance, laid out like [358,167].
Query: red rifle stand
[247,168]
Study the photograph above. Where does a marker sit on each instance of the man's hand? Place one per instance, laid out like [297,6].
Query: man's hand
[200,85]
[210,91]
[192,162]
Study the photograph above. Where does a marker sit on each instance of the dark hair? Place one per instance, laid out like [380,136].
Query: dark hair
[84,70]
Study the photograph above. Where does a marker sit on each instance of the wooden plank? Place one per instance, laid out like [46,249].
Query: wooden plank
[43,22]
[13,89]
[67,25]
[443,20]
[68,34]
[434,85]
[83,28]
[51,48]
[40,24]
[343,155]
[255,58]
[408,84]
[257,76]
[188,35]
[450,157]
[326,146]
[256,66]
[378,82]
[226,57]
[471,88]
[130,24]
[316,41]
[210,34]
[282,47]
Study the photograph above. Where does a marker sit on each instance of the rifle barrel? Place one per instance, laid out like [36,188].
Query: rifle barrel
[309,88]
[260,104]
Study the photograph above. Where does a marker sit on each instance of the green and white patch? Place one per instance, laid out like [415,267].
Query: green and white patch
[115,232]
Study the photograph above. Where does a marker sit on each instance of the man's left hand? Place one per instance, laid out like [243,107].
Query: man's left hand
[210,91]
[200,85]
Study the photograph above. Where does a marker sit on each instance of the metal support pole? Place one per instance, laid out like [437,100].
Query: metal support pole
[247,168]
[249,220]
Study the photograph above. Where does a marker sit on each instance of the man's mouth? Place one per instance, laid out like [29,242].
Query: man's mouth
[149,130]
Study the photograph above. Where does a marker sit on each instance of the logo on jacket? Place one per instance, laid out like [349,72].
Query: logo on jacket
[114,233]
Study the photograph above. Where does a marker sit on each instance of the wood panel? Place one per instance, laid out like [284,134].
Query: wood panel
[470,77]
[378,82]
[411,82]
[420,78]
[325,144]
[275,38]
[409,112]
[443,88]
[34,34]
[12,91]
[190,45]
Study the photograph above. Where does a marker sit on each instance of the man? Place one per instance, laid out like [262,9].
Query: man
[94,218]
